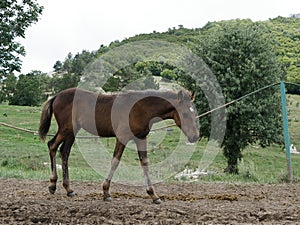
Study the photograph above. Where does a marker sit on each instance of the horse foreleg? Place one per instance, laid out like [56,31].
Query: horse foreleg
[119,148]
[53,145]
[142,151]
[64,153]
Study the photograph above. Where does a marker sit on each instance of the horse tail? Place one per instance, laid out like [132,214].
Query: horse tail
[45,121]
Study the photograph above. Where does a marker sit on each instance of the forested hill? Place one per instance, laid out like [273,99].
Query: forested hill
[286,32]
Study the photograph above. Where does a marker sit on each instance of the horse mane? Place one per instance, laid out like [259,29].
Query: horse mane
[155,93]
[167,94]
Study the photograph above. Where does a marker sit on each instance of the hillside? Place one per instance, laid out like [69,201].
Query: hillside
[285,31]
[287,34]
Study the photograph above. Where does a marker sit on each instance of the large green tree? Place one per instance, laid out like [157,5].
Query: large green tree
[29,90]
[241,56]
[15,17]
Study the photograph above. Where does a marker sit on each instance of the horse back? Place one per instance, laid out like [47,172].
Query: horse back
[77,108]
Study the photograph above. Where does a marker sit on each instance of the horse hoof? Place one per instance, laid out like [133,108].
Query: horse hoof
[157,201]
[52,189]
[107,199]
[71,194]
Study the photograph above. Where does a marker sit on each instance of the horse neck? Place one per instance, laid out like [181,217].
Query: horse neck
[161,108]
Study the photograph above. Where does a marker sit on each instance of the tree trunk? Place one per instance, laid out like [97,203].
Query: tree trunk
[232,168]
[233,154]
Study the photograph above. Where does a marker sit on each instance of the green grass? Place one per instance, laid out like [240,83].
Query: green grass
[23,155]
[294,118]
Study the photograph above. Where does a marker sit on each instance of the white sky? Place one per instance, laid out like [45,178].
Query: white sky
[72,26]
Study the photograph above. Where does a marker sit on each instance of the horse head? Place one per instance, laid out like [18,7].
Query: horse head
[185,116]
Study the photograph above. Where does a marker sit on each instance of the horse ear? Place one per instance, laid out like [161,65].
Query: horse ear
[180,96]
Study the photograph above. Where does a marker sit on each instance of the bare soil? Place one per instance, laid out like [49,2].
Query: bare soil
[28,202]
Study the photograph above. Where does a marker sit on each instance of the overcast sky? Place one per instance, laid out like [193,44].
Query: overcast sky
[72,26]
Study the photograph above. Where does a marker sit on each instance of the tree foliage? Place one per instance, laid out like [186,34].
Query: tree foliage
[29,90]
[9,87]
[15,18]
[286,32]
[241,56]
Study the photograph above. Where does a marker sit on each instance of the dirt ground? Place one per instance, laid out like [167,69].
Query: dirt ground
[28,202]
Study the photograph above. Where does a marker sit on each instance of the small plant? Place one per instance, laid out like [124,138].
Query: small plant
[283,178]
[248,171]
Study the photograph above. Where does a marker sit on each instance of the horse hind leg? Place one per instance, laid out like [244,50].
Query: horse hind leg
[65,150]
[52,146]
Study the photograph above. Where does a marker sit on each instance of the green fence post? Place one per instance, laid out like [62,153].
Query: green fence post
[286,132]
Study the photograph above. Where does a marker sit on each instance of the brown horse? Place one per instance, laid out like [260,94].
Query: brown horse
[125,116]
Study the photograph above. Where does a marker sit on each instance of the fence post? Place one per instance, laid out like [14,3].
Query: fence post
[286,132]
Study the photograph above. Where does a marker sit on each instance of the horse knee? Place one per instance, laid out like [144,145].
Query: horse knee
[145,162]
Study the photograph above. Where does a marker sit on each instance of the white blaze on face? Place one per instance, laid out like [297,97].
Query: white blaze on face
[191,109]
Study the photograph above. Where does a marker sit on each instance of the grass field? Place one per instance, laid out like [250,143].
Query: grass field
[23,155]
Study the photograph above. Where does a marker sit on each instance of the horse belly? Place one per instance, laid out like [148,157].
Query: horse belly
[102,131]
[106,133]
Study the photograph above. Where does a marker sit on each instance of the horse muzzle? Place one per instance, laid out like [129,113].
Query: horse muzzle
[194,138]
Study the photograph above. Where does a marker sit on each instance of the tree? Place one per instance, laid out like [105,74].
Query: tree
[67,65]
[241,56]
[15,18]
[28,90]
[63,81]
[57,66]
[80,61]
[8,87]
